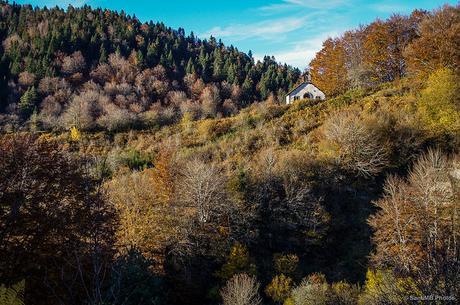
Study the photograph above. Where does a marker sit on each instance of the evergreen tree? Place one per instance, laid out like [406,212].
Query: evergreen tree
[190,69]
[103,55]
[27,102]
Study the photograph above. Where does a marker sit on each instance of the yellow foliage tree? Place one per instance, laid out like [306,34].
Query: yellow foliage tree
[279,288]
[75,134]
[383,287]
[439,102]
[162,176]
[146,222]
[238,261]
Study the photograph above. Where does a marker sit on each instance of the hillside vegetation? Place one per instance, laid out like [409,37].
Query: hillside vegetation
[98,69]
[352,200]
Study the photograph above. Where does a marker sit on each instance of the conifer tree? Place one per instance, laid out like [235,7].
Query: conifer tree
[27,102]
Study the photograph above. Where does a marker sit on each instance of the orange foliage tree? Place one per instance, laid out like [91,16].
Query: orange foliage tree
[328,68]
[439,43]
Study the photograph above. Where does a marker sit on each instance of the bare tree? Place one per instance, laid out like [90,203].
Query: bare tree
[417,227]
[116,118]
[201,188]
[177,98]
[241,289]
[26,79]
[359,148]
[210,100]
[51,85]
[83,109]
[74,63]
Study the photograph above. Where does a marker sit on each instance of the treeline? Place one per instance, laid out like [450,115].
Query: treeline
[388,50]
[95,68]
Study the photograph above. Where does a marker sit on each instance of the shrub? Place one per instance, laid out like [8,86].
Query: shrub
[211,129]
[135,159]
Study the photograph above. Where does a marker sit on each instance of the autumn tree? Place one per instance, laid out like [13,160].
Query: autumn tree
[416,227]
[238,261]
[279,288]
[210,101]
[328,68]
[383,48]
[55,227]
[145,223]
[384,287]
[353,44]
[438,43]
[312,290]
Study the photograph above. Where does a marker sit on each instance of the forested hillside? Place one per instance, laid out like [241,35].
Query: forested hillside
[98,69]
[351,200]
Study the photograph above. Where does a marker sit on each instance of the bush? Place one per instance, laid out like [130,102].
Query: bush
[211,129]
[136,160]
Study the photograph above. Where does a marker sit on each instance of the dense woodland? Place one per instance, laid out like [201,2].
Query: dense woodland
[97,69]
[142,166]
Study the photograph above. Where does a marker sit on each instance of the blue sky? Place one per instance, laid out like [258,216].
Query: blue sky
[291,30]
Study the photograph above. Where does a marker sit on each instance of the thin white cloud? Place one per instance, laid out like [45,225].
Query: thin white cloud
[267,29]
[390,8]
[300,53]
[296,4]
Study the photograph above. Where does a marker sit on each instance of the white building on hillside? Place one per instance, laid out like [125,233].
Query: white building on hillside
[305,90]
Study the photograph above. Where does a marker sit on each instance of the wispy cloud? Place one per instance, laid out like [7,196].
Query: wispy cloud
[296,4]
[390,7]
[300,53]
[266,29]
[312,21]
